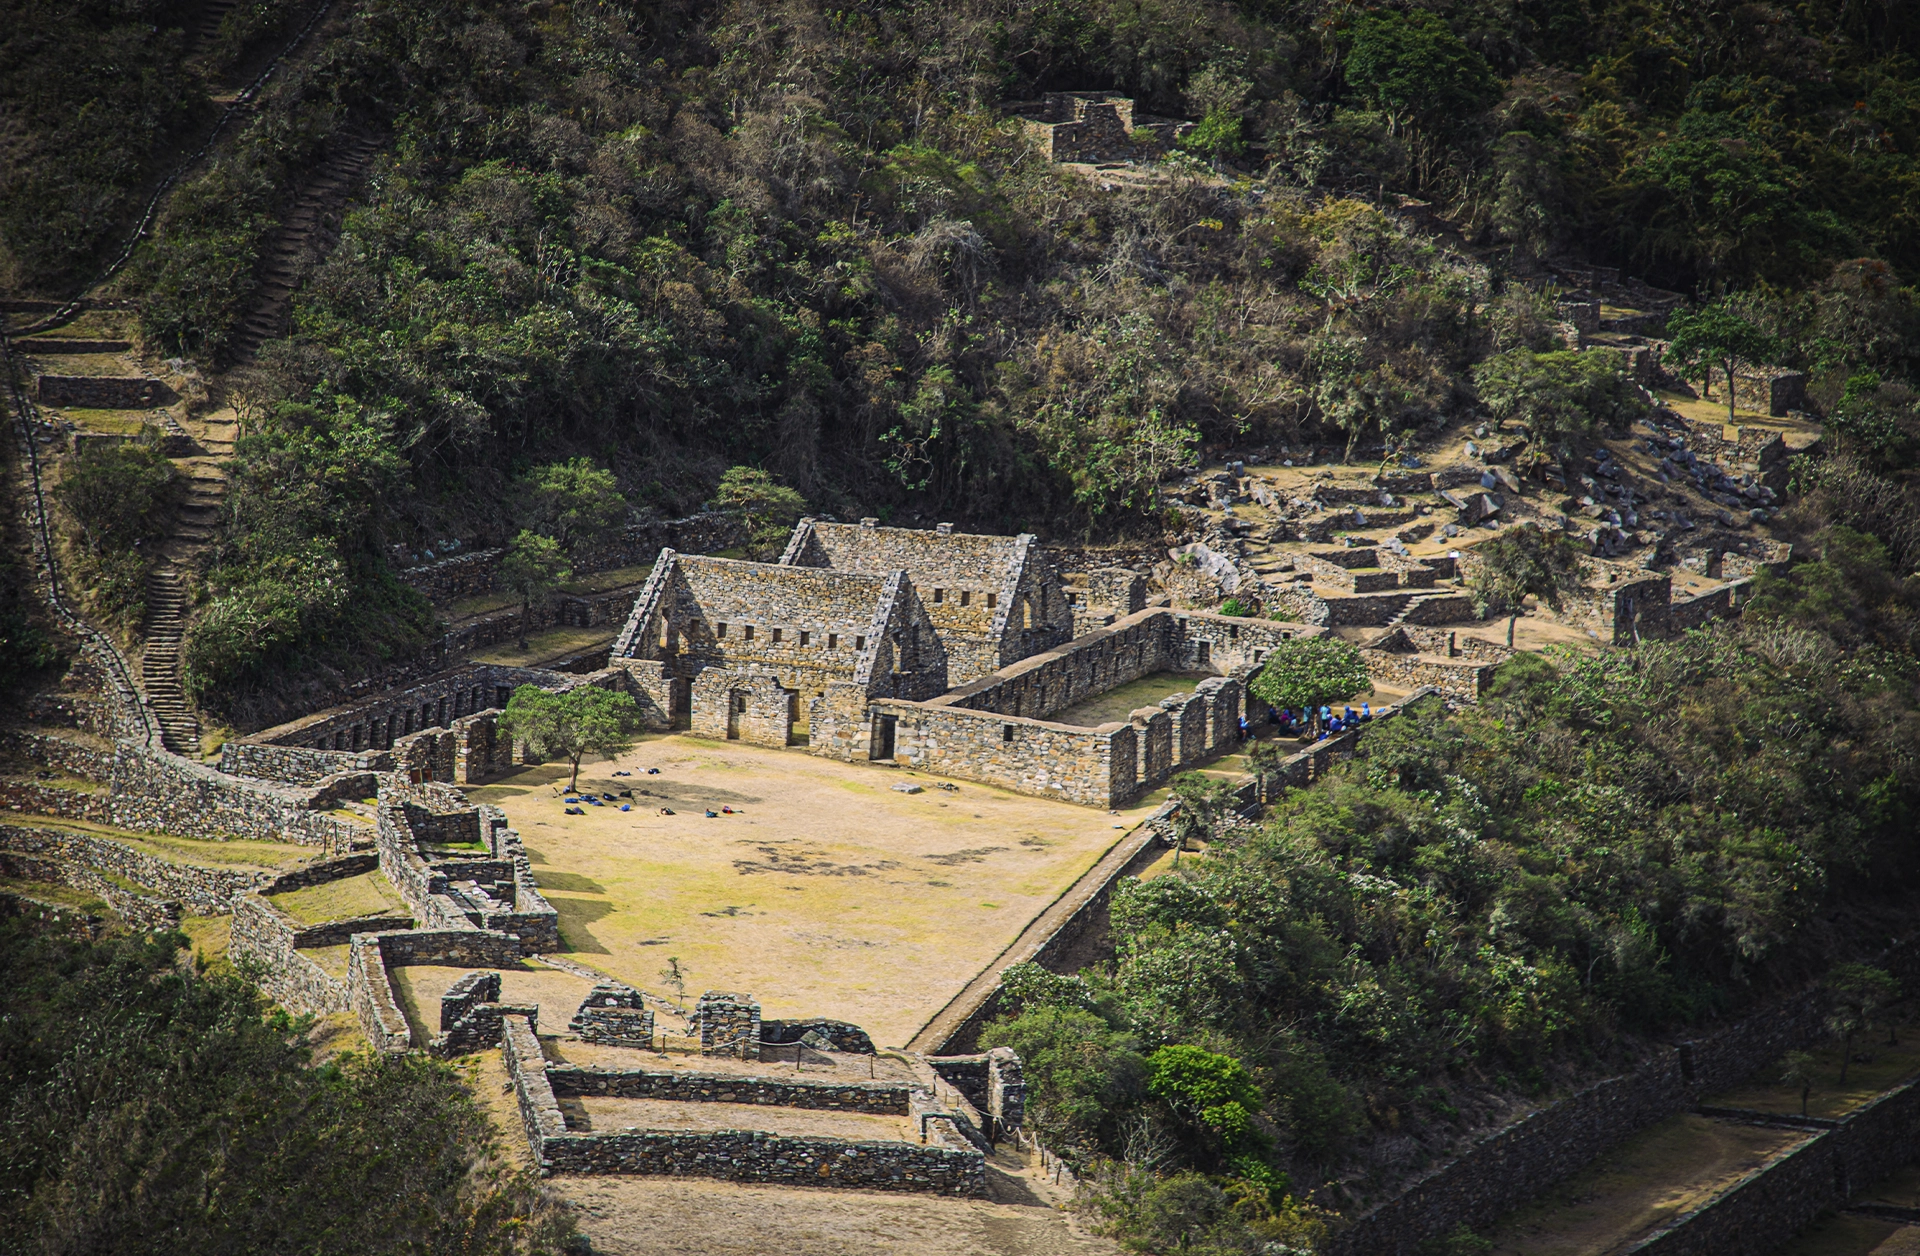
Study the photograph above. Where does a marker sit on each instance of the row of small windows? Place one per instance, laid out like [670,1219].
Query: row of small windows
[966,597]
[777,637]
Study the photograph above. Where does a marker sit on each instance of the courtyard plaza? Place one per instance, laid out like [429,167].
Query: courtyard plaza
[818,887]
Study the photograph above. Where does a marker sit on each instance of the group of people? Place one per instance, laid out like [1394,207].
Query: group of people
[1299,723]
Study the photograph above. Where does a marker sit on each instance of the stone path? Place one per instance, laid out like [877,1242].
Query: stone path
[305,234]
[160,662]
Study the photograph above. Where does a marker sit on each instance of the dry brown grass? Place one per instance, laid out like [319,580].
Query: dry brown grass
[829,894]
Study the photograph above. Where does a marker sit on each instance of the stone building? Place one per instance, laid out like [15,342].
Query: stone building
[994,600]
[1081,126]
[738,650]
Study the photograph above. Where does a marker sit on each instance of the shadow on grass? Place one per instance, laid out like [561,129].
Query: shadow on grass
[575,915]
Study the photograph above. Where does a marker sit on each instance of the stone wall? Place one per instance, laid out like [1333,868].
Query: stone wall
[39,798]
[1774,1202]
[104,392]
[728,1024]
[204,891]
[140,911]
[295,765]
[369,956]
[1092,766]
[162,793]
[1083,126]
[1512,1165]
[62,754]
[440,700]
[1461,678]
[840,1035]
[614,1014]
[686,1087]
[735,1155]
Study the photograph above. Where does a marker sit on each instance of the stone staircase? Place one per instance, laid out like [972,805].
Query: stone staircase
[308,230]
[212,13]
[160,662]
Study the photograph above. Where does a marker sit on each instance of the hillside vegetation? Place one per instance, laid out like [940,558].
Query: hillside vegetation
[149,1107]
[808,239]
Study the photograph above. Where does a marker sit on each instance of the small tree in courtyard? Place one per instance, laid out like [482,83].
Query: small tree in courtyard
[1713,336]
[1204,802]
[1860,993]
[1798,1074]
[1311,673]
[582,721]
[535,566]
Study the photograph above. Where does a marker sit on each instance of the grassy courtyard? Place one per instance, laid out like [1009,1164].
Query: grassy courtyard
[826,893]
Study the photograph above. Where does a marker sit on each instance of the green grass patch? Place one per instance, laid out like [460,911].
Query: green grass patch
[55,894]
[369,894]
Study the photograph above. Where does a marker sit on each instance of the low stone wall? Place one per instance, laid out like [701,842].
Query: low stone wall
[140,911]
[292,765]
[204,891]
[36,798]
[62,754]
[104,392]
[262,943]
[56,345]
[1777,1200]
[841,1035]
[1457,678]
[751,1156]
[1091,766]
[162,793]
[725,1088]
[370,955]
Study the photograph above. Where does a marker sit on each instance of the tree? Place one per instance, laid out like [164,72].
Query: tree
[574,502]
[767,508]
[1210,1090]
[1204,802]
[570,725]
[535,566]
[1798,1073]
[1522,560]
[1860,992]
[1563,398]
[1716,335]
[1412,65]
[1310,673]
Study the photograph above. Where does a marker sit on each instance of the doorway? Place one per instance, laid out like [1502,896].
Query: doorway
[736,707]
[883,736]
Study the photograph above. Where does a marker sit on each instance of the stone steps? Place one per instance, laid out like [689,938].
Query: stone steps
[310,220]
[160,662]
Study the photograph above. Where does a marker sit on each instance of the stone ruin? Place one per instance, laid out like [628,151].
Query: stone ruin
[728,1024]
[614,1015]
[1094,127]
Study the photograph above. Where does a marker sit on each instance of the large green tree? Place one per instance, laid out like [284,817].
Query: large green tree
[572,724]
[1564,399]
[1308,673]
[1717,335]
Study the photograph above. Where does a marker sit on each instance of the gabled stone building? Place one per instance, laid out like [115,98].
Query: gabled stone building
[744,651]
[994,600]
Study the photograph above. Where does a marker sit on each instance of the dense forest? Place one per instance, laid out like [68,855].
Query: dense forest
[154,1106]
